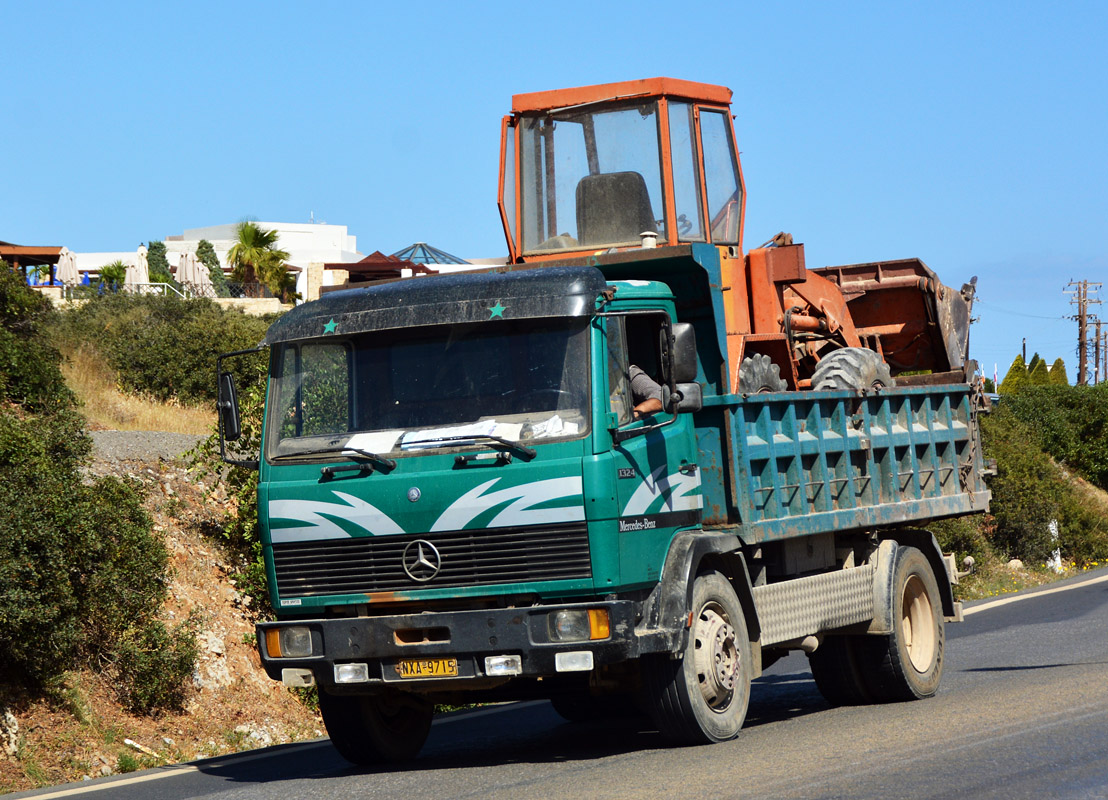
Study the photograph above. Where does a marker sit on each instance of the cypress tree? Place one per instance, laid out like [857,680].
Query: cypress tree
[1058,375]
[1016,377]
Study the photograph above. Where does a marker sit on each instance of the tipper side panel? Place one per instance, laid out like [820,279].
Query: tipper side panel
[835,461]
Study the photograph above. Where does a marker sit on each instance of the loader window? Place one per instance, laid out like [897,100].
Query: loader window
[590,178]
[686,178]
[721,176]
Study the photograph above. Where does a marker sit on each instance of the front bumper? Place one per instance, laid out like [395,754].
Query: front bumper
[381,642]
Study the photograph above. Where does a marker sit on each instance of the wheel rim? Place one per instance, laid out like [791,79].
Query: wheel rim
[716,657]
[918,624]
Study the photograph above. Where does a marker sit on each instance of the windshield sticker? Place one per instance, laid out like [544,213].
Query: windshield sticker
[657,493]
[374,441]
[555,426]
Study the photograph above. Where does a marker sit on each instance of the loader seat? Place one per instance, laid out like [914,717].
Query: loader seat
[613,207]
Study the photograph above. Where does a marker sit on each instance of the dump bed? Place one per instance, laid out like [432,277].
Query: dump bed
[810,462]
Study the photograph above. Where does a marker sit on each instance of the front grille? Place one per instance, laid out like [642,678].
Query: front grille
[489,556]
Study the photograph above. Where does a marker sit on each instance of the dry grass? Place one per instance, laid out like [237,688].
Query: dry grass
[106,408]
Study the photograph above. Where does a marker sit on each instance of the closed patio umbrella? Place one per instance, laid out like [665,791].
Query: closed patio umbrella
[67,268]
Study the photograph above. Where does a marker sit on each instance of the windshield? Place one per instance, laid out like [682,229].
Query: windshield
[402,391]
[590,177]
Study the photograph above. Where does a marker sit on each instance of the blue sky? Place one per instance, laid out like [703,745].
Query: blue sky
[971,135]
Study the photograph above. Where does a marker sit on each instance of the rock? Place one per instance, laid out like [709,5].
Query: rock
[1015,564]
[9,733]
[259,737]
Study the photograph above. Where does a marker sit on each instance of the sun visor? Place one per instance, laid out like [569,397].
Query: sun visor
[459,297]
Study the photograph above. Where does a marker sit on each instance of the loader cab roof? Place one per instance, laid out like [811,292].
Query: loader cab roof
[617,166]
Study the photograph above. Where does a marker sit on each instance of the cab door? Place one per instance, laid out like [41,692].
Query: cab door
[658,483]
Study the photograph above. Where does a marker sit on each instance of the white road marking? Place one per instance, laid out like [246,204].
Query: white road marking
[1003,601]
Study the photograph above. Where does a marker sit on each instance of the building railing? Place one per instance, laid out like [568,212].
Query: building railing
[183,290]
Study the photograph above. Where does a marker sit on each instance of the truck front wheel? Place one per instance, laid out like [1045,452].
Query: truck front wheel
[703,696]
[375,729]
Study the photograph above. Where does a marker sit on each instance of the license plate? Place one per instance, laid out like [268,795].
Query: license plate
[428,668]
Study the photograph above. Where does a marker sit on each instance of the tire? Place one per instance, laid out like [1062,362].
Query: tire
[908,663]
[758,374]
[703,696]
[852,368]
[376,729]
[839,676]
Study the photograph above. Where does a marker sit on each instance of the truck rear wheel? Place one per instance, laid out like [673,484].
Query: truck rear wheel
[374,729]
[703,696]
[908,663]
[839,675]
[852,368]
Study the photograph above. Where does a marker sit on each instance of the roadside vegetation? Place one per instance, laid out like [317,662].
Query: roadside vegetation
[1050,445]
[82,572]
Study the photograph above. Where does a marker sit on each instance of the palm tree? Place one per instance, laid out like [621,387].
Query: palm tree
[254,258]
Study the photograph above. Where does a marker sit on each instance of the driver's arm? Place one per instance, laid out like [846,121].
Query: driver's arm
[646,393]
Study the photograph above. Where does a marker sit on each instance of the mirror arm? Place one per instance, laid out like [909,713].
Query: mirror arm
[222,404]
[623,434]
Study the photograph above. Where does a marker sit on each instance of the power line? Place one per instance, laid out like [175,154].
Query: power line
[979,301]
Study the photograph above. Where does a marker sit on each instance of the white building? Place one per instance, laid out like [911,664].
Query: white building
[305,243]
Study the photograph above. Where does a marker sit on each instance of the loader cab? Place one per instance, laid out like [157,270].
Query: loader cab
[624,165]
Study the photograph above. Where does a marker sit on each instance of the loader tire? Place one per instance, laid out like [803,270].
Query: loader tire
[852,368]
[758,374]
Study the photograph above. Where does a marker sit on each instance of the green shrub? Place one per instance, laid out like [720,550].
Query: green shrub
[81,572]
[153,665]
[240,530]
[163,347]
[1030,490]
[1069,422]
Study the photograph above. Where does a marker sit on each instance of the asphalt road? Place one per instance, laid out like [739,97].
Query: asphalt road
[1023,712]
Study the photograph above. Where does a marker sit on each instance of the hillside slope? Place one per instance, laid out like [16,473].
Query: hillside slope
[81,729]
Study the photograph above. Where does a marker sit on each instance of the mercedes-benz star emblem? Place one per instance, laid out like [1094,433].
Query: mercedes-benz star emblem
[421,560]
[413,494]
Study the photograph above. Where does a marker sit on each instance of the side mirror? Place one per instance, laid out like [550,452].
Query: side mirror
[228,406]
[692,398]
[684,353]
[665,354]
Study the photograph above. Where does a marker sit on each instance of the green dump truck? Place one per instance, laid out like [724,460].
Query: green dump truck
[463,497]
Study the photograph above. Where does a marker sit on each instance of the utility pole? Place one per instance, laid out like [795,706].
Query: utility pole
[1079,296]
[1098,376]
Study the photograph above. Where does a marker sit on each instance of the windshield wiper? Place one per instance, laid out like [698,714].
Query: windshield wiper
[374,459]
[479,438]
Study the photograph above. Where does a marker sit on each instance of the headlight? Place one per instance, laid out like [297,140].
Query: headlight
[291,642]
[578,624]
[569,625]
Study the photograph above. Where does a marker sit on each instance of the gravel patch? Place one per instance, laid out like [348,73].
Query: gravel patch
[114,446]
